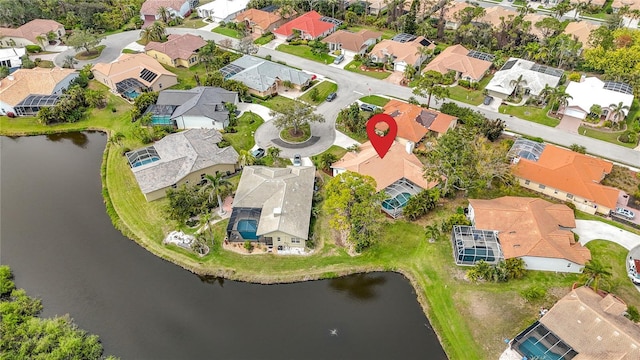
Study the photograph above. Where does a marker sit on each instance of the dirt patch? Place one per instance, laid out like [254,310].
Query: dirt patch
[502,314]
[623,179]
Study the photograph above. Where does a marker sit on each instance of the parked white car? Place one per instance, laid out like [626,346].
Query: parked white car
[625,213]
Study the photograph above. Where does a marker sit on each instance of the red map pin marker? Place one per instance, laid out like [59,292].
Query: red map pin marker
[382,144]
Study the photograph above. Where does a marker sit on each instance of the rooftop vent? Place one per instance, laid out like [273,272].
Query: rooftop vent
[277,211]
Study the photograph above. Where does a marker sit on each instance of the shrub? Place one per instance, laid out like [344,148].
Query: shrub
[33,49]
[268,57]
[633,314]
[608,9]
[464,83]
[574,76]
[11,114]
[248,246]
[125,150]
[534,293]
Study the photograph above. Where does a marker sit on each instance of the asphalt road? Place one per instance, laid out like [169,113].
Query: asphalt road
[352,86]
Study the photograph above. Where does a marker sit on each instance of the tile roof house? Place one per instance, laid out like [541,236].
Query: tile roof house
[352,43]
[532,229]
[26,91]
[581,325]
[593,91]
[273,206]
[12,57]
[493,14]
[28,33]
[222,10]
[628,20]
[260,22]
[310,25]
[535,77]
[177,8]
[456,58]
[180,158]
[565,175]
[177,51]
[264,77]
[202,107]
[581,30]
[399,173]
[131,74]
[401,54]
[414,122]
[451,14]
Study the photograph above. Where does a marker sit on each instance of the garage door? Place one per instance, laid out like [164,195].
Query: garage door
[575,113]
[400,66]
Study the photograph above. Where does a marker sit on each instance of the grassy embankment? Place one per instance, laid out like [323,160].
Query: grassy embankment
[324,88]
[470,320]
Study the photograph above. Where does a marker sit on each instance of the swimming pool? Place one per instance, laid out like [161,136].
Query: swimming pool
[161,120]
[131,94]
[248,229]
[533,349]
[145,161]
[398,201]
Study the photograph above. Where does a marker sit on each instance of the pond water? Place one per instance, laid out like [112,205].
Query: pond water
[62,247]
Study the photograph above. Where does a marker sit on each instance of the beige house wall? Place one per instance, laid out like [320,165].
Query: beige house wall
[164,59]
[104,79]
[581,204]
[7,41]
[192,178]
[164,81]
[286,240]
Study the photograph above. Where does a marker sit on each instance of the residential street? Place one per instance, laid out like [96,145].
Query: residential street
[352,86]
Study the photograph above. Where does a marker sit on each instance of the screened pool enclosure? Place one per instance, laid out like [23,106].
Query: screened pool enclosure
[538,342]
[471,245]
[398,195]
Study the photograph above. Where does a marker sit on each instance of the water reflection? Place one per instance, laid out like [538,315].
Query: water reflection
[208,279]
[358,286]
[79,139]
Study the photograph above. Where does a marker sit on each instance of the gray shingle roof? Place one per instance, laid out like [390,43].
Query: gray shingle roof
[290,189]
[260,74]
[200,101]
[182,154]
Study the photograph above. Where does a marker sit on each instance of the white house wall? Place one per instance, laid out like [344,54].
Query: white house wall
[64,84]
[199,122]
[6,108]
[551,264]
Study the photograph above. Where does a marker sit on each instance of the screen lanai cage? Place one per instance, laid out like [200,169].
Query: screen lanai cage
[471,245]
[538,342]
[525,149]
[398,195]
[243,224]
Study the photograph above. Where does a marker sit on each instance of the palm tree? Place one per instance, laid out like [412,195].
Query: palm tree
[273,152]
[432,232]
[164,14]
[595,272]
[516,84]
[153,32]
[213,186]
[41,39]
[246,158]
[69,62]
[116,138]
[562,98]
[324,161]
[618,112]
[424,52]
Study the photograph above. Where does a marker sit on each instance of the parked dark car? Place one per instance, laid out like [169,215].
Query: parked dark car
[258,153]
[487,100]
[331,97]
[338,59]
[368,107]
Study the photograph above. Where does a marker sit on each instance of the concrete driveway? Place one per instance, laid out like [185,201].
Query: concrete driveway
[259,110]
[591,230]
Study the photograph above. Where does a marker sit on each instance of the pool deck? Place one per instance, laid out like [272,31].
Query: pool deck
[510,354]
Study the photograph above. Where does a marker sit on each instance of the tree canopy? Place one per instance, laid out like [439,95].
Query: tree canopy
[295,116]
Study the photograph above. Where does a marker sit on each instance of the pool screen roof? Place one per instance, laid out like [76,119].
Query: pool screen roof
[230,70]
[480,55]
[396,189]
[618,87]
[403,38]
[39,101]
[160,110]
[547,70]
[546,344]
[141,155]
[526,149]
[331,20]
[242,213]
[471,245]
[129,84]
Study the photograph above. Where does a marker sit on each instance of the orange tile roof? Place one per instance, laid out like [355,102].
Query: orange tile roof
[455,58]
[32,29]
[178,46]
[493,14]
[395,165]
[150,7]
[407,52]
[632,4]
[130,66]
[571,172]
[451,11]
[309,23]
[261,18]
[409,117]
[36,81]
[352,41]
[530,227]
[581,30]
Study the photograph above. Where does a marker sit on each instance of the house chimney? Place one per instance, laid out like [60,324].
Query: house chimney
[583,77]
[10,77]
[277,211]
[409,147]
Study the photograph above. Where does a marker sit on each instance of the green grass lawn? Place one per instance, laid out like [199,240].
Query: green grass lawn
[92,55]
[354,66]
[473,97]
[470,319]
[324,88]
[304,51]
[530,113]
[247,125]
[375,100]
[227,32]
[194,23]
[275,102]
[186,79]
[607,136]
[614,255]
[264,39]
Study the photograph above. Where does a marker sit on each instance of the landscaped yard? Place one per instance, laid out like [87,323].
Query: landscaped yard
[324,88]
[354,66]
[608,136]
[264,39]
[304,51]
[227,32]
[386,33]
[275,102]
[376,100]
[194,23]
[473,97]
[186,79]
[248,123]
[530,113]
